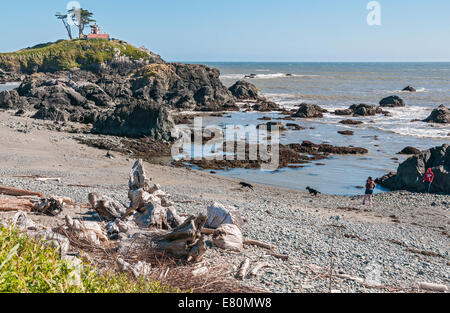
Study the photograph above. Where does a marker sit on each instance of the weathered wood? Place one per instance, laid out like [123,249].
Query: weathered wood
[258,267]
[45,179]
[16,205]
[250,242]
[243,269]
[18,192]
[207,231]
[280,256]
[228,237]
[433,287]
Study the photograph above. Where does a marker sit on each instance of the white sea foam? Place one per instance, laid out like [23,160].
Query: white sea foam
[265,76]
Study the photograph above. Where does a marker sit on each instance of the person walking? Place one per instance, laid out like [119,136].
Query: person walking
[370,187]
[428,179]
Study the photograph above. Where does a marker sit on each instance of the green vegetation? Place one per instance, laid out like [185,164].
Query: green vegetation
[68,54]
[28,266]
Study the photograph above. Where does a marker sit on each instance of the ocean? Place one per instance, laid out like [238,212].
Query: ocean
[337,86]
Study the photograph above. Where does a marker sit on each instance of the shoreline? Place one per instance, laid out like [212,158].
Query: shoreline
[396,244]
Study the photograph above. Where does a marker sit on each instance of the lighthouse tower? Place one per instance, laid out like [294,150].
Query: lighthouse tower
[96,33]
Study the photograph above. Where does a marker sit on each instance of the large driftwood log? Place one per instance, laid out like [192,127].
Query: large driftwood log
[219,214]
[16,205]
[258,267]
[9,191]
[107,208]
[185,241]
[228,237]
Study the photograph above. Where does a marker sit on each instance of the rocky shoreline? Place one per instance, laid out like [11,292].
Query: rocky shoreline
[392,247]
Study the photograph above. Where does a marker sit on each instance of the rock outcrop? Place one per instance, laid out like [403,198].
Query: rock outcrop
[440,115]
[243,90]
[392,102]
[10,99]
[410,173]
[365,110]
[309,111]
[409,150]
[409,88]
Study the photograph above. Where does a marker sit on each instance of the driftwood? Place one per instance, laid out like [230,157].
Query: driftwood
[250,242]
[433,287]
[207,231]
[42,179]
[51,207]
[107,208]
[284,257]
[228,237]
[185,241]
[18,192]
[258,267]
[243,269]
[219,214]
[16,205]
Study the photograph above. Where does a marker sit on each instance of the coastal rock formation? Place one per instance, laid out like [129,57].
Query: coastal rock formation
[351,122]
[409,88]
[440,115]
[409,150]
[365,110]
[10,99]
[137,120]
[309,111]
[343,112]
[243,90]
[392,102]
[266,106]
[410,173]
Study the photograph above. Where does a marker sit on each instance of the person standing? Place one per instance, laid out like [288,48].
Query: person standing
[428,179]
[370,187]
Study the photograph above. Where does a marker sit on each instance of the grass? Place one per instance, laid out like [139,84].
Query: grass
[68,54]
[29,266]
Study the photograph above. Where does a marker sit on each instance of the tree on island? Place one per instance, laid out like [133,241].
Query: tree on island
[63,18]
[79,17]
[82,18]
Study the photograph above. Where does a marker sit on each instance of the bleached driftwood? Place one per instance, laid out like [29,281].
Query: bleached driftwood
[42,179]
[243,269]
[107,208]
[207,231]
[16,205]
[258,267]
[250,242]
[9,191]
[185,241]
[228,237]
[219,214]
[49,206]
[433,287]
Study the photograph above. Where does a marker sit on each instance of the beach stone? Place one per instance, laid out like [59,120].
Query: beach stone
[409,150]
[409,88]
[365,110]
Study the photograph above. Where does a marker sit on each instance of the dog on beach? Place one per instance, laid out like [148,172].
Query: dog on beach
[313,191]
[245,185]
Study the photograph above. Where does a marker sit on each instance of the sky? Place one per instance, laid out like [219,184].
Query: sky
[248,30]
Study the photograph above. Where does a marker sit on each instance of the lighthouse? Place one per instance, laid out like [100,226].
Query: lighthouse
[96,33]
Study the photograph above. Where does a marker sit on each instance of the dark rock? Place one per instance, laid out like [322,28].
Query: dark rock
[343,112]
[440,115]
[266,106]
[409,150]
[346,132]
[392,102]
[365,110]
[10,99]
[295,126]
[351,122]
[20,112]
[136,121]
[410,89]
[243,90]
[272,125]
[50,113]
[309,111]
[410,173]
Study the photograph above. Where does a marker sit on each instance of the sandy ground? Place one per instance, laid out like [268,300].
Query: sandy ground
[298,224]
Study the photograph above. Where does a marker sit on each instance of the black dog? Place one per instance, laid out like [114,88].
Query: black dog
[312,191]
[245,185]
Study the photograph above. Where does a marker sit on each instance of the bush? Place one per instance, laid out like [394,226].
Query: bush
[28,266]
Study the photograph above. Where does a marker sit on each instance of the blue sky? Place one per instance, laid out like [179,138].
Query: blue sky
[249,30]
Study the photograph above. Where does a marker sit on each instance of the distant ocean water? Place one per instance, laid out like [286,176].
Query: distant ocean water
[336,86]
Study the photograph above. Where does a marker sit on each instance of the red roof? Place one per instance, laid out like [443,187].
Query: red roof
[98,36]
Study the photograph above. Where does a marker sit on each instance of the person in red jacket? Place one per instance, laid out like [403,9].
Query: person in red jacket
[428,179]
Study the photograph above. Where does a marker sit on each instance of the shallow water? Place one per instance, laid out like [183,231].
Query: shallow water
[336,86]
